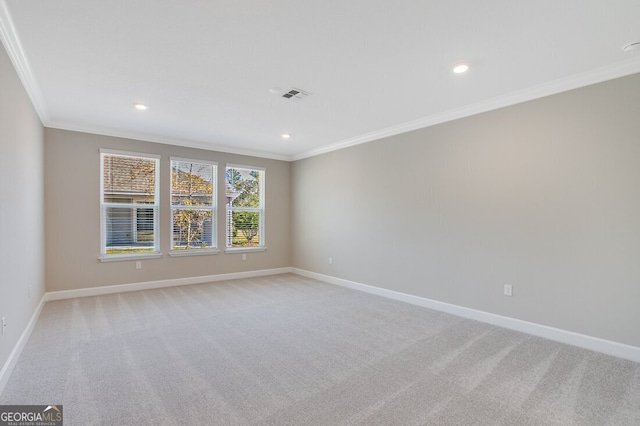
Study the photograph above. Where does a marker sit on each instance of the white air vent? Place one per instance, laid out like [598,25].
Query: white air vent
[296,94]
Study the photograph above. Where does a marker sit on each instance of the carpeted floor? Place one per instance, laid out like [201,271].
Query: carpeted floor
[287,350]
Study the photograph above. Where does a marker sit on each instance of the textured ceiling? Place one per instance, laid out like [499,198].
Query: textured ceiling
[372,68]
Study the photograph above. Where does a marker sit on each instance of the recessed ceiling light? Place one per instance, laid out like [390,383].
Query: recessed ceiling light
[141,107]
[275,90]
[285,135]
[632,47]
[461,68]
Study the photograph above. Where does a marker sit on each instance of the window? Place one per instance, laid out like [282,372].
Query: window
[245,207]
[128,204]
[193,205]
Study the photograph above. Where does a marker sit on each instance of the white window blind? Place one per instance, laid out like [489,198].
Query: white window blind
[193,205]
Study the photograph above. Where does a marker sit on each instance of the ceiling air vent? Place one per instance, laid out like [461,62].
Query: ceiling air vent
[295,94]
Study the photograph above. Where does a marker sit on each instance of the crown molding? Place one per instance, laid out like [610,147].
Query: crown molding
[11,42]
[95,130]
[12,45]
[599,75]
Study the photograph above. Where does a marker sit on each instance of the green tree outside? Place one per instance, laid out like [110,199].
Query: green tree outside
[245,224]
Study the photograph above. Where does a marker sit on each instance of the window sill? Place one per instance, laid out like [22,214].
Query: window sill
[122,257]
[244,249]
[193,252]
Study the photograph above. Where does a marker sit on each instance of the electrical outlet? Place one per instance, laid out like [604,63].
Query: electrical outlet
[244,256]
[508,290]
[4,324]
[138,264]
[330,260]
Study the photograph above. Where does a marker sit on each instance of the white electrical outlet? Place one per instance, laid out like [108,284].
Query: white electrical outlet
[244,256]
[508,290]
[330,260]
[138,264]
[4,324]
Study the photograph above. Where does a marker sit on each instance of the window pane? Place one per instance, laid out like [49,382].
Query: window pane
[128,175]
[192,228]
[245,229]
[243,187]
[129,230]
[191,183]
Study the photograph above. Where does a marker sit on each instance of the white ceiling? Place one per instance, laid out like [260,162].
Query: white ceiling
[373,68]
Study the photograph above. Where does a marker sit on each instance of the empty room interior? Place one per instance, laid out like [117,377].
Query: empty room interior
[321,213]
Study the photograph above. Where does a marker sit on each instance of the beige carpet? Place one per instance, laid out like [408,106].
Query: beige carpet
[287,350]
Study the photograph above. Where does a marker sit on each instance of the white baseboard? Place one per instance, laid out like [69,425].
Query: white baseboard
[148,285]
[608,347]
[8,367]
[580,340]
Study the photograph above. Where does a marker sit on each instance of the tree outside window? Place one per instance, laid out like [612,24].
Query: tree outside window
[192,204]
[245,206]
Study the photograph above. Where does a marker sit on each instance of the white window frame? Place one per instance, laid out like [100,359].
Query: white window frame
[155,252]
[261,210]
[213,207]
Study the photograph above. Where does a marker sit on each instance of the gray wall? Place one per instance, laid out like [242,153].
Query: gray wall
[72,206]
[544,195]
[21,207]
